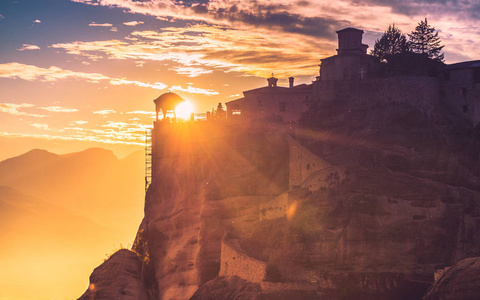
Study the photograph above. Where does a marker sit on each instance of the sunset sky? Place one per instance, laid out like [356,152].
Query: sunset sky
[83,73]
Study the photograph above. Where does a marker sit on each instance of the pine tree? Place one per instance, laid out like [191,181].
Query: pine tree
[391,42]
[424,39]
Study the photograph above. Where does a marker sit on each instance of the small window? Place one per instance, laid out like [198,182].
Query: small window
[260,103]
[282,106]
[476,75]
[308,166]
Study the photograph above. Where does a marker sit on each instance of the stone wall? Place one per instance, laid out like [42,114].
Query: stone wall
[302,163]
[275,208]
[422,92]
[324,178]
[235,262]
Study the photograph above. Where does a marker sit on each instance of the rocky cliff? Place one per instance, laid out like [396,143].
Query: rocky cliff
[362,198]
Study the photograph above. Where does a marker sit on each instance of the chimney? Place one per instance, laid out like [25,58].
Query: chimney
[290,82]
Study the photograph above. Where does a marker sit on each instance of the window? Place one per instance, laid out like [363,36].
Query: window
[476,75]
[260,103]
[282,106]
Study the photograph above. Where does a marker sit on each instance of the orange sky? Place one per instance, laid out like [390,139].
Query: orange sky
[82,73]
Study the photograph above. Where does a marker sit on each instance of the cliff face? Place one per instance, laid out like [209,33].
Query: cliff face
[215,190]
[369,197]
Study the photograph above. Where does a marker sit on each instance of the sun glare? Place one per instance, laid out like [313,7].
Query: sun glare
[184,110]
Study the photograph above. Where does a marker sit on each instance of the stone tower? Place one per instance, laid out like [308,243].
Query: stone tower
[350,42]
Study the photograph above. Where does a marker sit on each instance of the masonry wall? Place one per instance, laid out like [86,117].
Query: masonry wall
[302,163]
[422,92]
[275,208]
[235,262]
[462,93]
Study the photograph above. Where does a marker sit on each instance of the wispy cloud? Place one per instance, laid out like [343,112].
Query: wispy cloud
[58,109]
[37,21]
[78,123]
[42,126]
[105,112]
[51,74]
[15,109]
[156,85]
[142,112]
[320,18]
[199,49]
[28,47]
[30,73]
[191,71]
[133,23]
[93,24]
[193,90]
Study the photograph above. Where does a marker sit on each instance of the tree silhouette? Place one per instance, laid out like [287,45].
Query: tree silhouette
[393,41]
[424,39]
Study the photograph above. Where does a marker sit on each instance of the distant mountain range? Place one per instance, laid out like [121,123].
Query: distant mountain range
[60,215]
[92,183]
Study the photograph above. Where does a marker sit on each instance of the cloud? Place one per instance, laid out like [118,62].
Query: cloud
[318,19]
[190,71]
[93,24]
[58,109]
[14,109]
[142,112]
[52,74]
[37,21]
[156,85]
[78,122]
[105,112]
[193,90]
[114,29]
[40,126]
[1,17]
[31,73]
[28,47]
[200,49]
[133,23]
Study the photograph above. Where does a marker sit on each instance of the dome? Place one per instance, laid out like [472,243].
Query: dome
[168,101]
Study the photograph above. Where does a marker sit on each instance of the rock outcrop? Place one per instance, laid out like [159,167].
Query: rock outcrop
[118,278]
[383,195]
[461,281]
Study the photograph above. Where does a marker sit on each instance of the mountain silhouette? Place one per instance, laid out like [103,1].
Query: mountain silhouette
[93,183]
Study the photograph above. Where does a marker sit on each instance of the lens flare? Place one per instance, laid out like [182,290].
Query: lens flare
[184,110]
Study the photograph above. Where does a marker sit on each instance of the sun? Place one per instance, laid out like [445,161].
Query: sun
[184,110]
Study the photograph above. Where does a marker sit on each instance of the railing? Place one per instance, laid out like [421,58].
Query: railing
[148,159]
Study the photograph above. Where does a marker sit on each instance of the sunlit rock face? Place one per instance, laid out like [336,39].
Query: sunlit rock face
[397,197]
[119,277]
[201,194]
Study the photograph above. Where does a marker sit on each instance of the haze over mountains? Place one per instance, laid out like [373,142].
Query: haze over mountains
[60,215]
